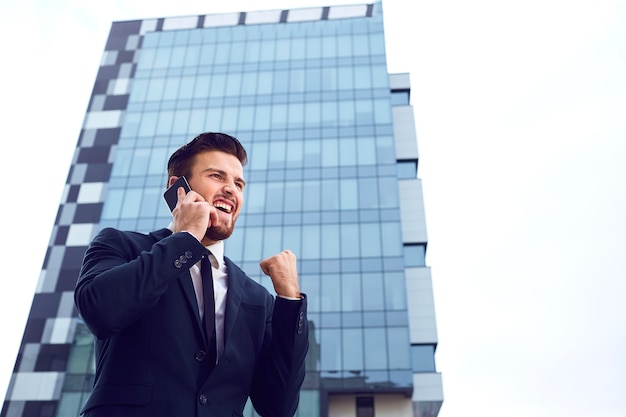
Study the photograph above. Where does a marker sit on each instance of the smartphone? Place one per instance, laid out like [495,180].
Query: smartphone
[171,194]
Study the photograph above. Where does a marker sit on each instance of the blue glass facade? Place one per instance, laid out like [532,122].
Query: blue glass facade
[312,103]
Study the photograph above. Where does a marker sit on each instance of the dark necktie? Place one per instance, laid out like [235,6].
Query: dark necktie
[209,306]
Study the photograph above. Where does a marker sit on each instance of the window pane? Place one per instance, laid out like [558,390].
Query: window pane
[229,119]
[132,200]
[352,349]
[329,151]
[407,169]
[373,291]
[389,196]
[398,344]
[311,242]
[345,78]
[271,241]
[311,196]
[113,204]
[330,195]
[331,297]
[233,84]
[293,202]
[140,162]
[255,198]
[370,247]
[202,86]
[348,194]
[121,167]
[368,193]
[330,345]
[275,195]
[150,202]
[187,87]
[330,245]
[349,241]
[313,114]
[164,123]
[295,152]
[415,255]
[347,152]
[350,292]
[423,358]
[395,291]
[375,343]
[292,238]
[362,77]
[252,244]
[391,239]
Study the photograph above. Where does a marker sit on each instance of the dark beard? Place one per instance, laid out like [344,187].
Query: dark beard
[220,233]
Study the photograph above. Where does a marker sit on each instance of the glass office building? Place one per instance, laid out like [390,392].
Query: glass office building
[332,176]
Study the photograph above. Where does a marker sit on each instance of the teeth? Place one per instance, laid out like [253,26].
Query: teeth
[223,207]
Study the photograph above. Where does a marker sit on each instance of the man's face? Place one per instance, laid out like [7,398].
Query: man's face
[218,177]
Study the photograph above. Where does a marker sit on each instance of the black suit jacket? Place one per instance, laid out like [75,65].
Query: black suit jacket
[150,348]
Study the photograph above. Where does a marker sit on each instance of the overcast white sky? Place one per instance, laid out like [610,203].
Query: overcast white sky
[520,110]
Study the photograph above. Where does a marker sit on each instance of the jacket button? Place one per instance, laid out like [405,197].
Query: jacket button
[203,399]
[178,263]
[200,355]
[301,323]
[188,254]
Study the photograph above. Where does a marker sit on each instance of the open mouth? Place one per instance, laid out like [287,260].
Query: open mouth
[226,208]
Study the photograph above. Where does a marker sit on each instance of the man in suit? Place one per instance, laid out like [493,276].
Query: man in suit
[143,296]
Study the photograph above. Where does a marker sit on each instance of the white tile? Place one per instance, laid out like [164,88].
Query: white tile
[216,20]
[177,23]
[265,16]
[305,15]
[35,386]
[103,119]
[80,234]
[344,12]
[90,192]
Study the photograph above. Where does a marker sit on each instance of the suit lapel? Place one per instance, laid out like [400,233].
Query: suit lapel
[236,280]
[185,282]
[189,293]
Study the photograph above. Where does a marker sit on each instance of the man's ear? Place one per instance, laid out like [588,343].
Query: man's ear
[172,180]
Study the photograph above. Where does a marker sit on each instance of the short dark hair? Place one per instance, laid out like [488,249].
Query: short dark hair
[181,161]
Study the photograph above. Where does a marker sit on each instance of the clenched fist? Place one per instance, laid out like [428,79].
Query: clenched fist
[282,269]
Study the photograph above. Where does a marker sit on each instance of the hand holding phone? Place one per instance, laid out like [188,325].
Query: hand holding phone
[171,194]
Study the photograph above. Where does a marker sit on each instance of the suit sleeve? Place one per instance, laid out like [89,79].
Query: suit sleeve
[124,275]
[280,370]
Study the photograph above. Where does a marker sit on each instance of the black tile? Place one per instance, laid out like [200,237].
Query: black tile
[40,408]
[45,305]
[125,56]
[61,236]
[34,330]
[88,213]
[52,358]
[125,28]
[97,154]
[107,137]
[67,279]
[98,172]
[116,102]
[72,194]
[108,72]
[73,257]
